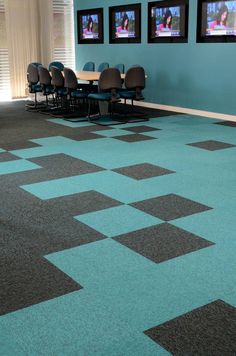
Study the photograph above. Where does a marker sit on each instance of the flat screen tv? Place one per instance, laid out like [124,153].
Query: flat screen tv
[168,21]
[125,23]
[90,26]
[216,21]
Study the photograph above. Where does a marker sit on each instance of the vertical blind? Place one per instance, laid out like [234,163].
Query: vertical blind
[63,29]
[5,91]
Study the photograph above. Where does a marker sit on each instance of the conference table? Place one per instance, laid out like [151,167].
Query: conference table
[90,76]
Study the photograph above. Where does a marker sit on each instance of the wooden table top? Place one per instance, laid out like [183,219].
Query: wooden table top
[87,75]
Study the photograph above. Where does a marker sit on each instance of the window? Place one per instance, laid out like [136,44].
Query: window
[63,29]
[5,91]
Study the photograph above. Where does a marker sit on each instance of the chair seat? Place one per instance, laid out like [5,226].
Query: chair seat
[61,91]
[130,95]
[35,88]
[49,89]
[79,94]
[103,97]
[127,94]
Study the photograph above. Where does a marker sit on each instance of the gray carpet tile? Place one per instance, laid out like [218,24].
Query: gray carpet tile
[28,280]
[169,207]
[133,138]
[41,174]
[62,165]
[226,123]
[143,171]
[58,169]
[6,156]
[205,331]
[83,203]
[143,128]
[162,242]
[30,224]
[32,227]
[17,145]
[39,243]
[211,145]
[77,136]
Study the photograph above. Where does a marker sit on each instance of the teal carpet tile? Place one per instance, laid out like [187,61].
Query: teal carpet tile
[119,220]
[18,165]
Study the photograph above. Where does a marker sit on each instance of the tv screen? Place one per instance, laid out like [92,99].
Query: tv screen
[125,23]
[217,21]
[90,26]
[167,21]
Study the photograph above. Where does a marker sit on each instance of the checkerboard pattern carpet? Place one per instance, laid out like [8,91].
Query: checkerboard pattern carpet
[117,240]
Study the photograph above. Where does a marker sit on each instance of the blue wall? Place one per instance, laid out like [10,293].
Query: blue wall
[192,75]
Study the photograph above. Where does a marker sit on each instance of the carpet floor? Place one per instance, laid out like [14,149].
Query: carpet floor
[117,240]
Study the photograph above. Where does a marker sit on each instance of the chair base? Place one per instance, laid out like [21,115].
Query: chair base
[105,111]
[134,116]
[107,120]
[34,106]
[64,110]
[75,116]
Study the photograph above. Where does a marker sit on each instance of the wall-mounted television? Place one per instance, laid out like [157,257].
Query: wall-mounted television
[168,21]
[125,23]
[90,26]
[216,21]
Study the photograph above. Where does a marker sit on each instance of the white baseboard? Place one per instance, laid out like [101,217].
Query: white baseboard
[210,114]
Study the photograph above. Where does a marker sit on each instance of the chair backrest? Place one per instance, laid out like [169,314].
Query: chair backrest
[121,67]
[109,79]
[32,73]
[70,79]
[57,64]
[44,76]
[103,66]
[135,78]
[89,66]
[57,77]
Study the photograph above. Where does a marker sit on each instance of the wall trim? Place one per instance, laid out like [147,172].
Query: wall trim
[178,109]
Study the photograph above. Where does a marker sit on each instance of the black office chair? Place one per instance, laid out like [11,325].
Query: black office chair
[33,85]
[58,65]
[102,66]
[75,93]
[45,82]
[134,84]
[108,86]
[60,91]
